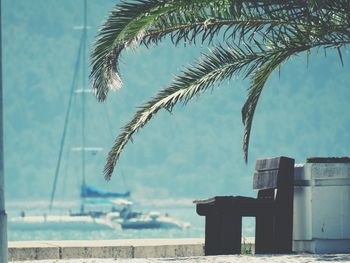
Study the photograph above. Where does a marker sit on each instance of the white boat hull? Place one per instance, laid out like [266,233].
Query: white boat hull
[146,222]
[57,222]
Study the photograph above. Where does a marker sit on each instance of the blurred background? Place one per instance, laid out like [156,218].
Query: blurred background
[196,152]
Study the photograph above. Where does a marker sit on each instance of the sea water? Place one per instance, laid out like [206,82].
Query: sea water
[183,210]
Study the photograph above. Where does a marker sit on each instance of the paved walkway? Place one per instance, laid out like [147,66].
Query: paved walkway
[301,258]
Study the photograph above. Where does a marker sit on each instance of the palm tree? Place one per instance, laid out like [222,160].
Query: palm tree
[249,38]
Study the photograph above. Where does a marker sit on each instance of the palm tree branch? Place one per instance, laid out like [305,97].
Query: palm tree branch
[125,25]
[267,65]
[209,70]
[129,23]
[258,82]
[154,35]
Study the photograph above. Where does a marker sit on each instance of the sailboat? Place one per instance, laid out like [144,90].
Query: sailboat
[104,206]
[98,209]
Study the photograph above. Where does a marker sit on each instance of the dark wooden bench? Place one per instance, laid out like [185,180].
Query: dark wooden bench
[273,210]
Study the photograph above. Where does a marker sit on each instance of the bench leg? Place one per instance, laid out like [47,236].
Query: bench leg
[231,237]
[223,234]
[284,230]
[264,234]
[212,235]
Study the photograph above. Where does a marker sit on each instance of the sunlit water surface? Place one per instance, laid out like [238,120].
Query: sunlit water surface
[181,210]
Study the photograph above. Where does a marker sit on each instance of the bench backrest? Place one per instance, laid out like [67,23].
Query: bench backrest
[274,173]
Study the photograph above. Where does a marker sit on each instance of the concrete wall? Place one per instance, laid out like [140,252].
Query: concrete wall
[128,248]
[132,248]
[321,207]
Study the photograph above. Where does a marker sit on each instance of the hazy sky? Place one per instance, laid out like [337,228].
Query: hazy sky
[195,152]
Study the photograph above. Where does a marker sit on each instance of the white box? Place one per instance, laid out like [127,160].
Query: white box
[321,222]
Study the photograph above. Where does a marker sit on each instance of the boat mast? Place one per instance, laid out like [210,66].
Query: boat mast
[83,105]
[83,96]
[81,59]
[81,49]
[64,133]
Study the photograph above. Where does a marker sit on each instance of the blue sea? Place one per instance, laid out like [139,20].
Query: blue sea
[183,210]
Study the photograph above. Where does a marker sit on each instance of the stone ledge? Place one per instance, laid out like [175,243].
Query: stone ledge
[127,248]
[328,160]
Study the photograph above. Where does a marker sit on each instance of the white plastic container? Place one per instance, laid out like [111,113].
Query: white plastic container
[321,222]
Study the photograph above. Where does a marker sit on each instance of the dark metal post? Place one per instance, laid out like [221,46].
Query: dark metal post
[3,216]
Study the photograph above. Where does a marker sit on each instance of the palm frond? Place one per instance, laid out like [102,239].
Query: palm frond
[109,44]
[267,65]
[262,36]
[273,59]
[149,21]
[126,24]
[211,69]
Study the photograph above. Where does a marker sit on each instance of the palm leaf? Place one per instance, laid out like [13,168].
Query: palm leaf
[221,64]
[262,36]
[211,69]
[146,21]
[125,25]
[267,66]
